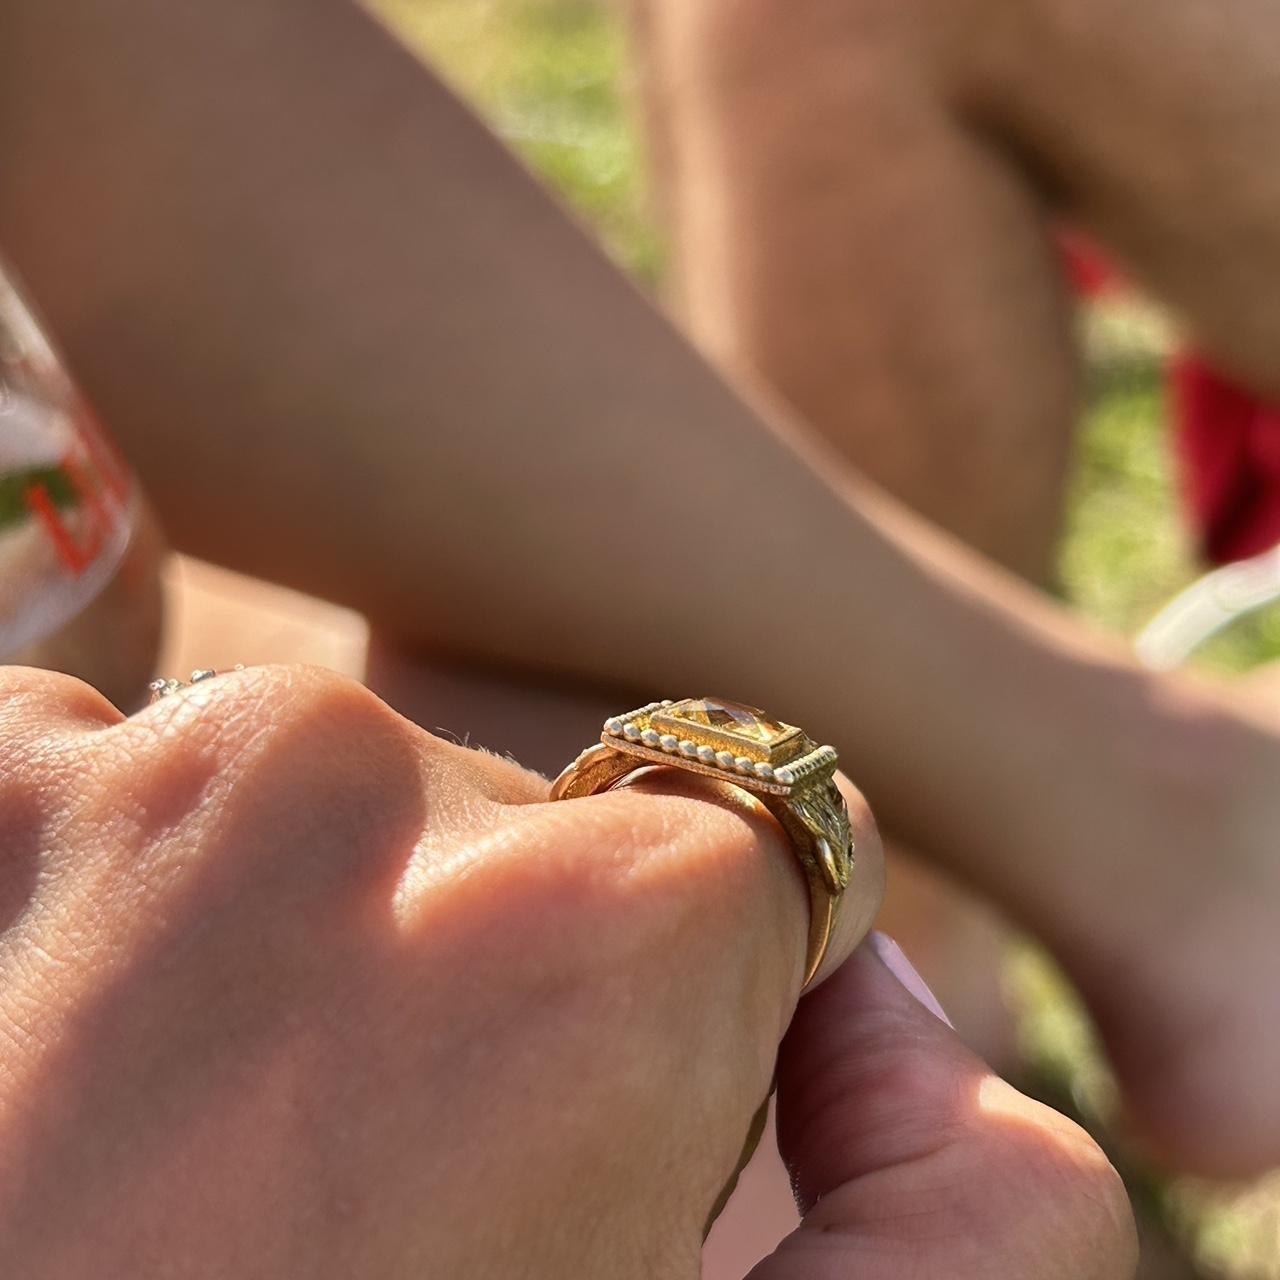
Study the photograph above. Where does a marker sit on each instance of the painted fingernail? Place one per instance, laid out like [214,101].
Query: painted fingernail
[895,960]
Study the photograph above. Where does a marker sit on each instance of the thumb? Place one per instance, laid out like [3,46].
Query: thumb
[911,1159]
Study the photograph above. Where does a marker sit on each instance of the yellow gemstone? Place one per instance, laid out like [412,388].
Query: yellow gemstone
[730,717]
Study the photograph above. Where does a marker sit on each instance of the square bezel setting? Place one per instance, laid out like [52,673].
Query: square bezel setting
[723,739]
[731,726]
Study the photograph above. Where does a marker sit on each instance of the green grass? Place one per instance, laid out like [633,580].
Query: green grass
[549,75]
[546,75]
[1124,551]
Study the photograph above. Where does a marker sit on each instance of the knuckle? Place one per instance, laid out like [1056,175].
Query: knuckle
[281,771]
[242,718]
[643,862]
[596,917]
[595,889]
[34,701]
[547,913]
[546,891]
[43,714]
[282,699]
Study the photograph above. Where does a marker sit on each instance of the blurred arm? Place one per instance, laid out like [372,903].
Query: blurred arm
[352,346]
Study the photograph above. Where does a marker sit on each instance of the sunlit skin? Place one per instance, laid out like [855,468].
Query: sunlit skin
[864,201]
[289,987]
[421,391]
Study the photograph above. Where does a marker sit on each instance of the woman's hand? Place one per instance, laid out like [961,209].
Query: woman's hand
[291,988]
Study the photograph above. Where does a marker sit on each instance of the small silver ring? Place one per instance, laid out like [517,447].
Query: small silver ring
[166,685]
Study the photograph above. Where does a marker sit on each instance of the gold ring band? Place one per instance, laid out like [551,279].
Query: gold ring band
[781,767]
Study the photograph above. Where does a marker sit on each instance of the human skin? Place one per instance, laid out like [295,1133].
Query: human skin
[839,234]
[291,987]
[863,200]
[421,391]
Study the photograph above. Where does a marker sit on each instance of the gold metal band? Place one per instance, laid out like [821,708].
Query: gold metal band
[811,814]
[776,764]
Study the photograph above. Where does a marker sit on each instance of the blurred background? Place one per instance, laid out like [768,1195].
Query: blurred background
[551,77]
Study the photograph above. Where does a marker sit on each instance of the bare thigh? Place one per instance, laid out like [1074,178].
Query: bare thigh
[860,194]
[1157,124]
[842,233]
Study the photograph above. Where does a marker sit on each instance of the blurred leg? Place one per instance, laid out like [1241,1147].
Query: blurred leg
[1156,124]
[858,192]
[842,235]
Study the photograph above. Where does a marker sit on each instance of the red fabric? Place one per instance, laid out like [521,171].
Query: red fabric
[1087,267]
[1229,447]
[1228,442]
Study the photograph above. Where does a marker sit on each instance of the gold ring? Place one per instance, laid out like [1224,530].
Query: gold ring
[783,768]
